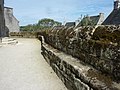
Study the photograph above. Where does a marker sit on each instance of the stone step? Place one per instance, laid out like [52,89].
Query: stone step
[7,40]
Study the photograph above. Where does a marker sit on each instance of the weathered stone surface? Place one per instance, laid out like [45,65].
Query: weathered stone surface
[77,75]
[98,47]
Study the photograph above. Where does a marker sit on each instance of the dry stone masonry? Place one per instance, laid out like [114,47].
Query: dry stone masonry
[90,58]
[23,34]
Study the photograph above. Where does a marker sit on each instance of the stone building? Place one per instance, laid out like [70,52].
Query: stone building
[92,20]
[2,23]
[114,17]
[11,23]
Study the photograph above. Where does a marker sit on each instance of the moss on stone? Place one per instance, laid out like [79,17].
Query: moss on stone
[101,77]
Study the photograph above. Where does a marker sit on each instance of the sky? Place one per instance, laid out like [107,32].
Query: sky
[31,11]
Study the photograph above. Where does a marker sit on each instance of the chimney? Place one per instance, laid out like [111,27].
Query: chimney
[101,19]
[116,4]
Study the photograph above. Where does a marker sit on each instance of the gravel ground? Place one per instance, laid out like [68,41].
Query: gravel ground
[22,67]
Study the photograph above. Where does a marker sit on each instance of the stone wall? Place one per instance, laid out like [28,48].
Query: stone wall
[75,74]
[97,47]
[23,34]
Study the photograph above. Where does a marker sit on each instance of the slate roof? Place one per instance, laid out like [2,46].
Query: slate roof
[113,18]
[92,20]
[70,24]
[88,21]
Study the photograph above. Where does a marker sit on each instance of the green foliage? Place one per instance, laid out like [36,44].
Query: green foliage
[29,27]
[42,24]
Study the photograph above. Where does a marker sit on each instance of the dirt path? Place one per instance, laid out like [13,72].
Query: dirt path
[22,67]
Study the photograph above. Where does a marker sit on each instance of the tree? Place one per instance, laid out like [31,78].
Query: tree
[45,23]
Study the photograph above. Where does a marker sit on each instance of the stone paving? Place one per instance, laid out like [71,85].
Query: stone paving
[22,67]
